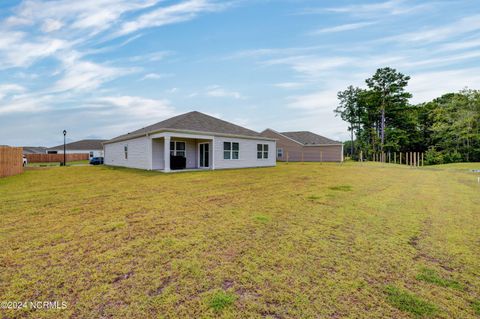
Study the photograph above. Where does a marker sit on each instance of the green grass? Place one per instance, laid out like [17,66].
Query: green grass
[50,164]
[431,276]
[286,242]
[221,300]
[476,306]
[408,302]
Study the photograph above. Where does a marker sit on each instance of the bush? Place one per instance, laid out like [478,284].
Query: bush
[453,157]
[433,157]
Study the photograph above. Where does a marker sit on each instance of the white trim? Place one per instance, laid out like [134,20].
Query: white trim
[213,153]
[174,140]
[231,151]
[199,154]
[276,154]
[166,154]
[263,158]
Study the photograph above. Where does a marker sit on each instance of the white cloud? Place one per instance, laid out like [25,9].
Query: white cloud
[179,12]
[152,76]
[217,91]
[323,100]
[343,27]
[460,27]
[137,107]
[16,50]
[51,25]
[85,14]
[26,104]
[85,75]
[289,85]
[391,7]
[7,89]
[444,82]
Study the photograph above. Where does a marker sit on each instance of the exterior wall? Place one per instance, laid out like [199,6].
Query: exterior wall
[297,152]
[139,150]
[96,153]
[138,153]
[247,154]
[158,162]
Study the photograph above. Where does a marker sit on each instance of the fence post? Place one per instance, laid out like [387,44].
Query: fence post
[395,157]
[361,156]
[422,159]
[287,156]
[321,156]
[302,156]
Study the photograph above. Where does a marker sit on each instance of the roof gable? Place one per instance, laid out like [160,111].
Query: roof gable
[193,121]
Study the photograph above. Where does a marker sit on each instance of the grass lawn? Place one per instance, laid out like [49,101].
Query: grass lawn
[49,164]
[295,241]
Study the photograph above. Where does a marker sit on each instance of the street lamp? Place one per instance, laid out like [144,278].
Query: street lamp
[64,148]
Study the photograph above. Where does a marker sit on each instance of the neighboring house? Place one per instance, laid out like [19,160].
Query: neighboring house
[190,141]
[305,147]
[34,150]
[92,147]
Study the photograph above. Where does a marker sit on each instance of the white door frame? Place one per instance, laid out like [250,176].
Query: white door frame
[199,154]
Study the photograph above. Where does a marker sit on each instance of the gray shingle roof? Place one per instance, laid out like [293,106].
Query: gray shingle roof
[83,145]
[34,149]
[192,121]
[309,138]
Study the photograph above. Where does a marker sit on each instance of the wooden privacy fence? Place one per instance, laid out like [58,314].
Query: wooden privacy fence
[51,158]
[404,158]
[11,161]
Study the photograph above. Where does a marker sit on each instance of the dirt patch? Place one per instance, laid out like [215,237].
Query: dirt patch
[157,291]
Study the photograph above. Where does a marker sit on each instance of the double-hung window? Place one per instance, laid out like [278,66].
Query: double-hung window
[177,148]
[231,150]
[262,151]
[279,152]
[125,150]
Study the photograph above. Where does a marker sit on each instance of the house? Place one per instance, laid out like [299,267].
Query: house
[34,150]
[305,146]
[94,148]
[190,141]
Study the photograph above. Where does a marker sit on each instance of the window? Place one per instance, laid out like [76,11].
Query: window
[91,154]
[125,149]
[262,151]
[231,150]
[279,152]
[177,148]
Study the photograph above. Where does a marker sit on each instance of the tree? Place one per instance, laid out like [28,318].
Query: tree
[389,85]
[349,111]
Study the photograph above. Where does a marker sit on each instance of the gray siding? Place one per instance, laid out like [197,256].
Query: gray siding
[138,150]
[247,156]
[158,161]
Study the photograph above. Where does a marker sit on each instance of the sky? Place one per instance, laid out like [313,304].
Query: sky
[102,68]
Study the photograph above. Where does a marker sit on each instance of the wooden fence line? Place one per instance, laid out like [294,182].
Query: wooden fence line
[11,161]
[414,159]
[51,158]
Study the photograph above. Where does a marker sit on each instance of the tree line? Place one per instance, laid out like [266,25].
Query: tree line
[381,118]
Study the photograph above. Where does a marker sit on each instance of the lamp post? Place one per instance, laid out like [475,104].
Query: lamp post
[64,148]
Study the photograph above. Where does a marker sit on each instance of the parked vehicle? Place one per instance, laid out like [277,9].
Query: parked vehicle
[25,161]
[96,161]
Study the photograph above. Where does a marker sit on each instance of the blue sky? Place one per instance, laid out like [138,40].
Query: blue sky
[101,68]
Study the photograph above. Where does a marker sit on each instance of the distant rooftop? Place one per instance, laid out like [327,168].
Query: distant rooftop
[83,145]
[309,138]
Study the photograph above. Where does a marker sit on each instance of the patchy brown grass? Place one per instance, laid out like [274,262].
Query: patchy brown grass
[295,241]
